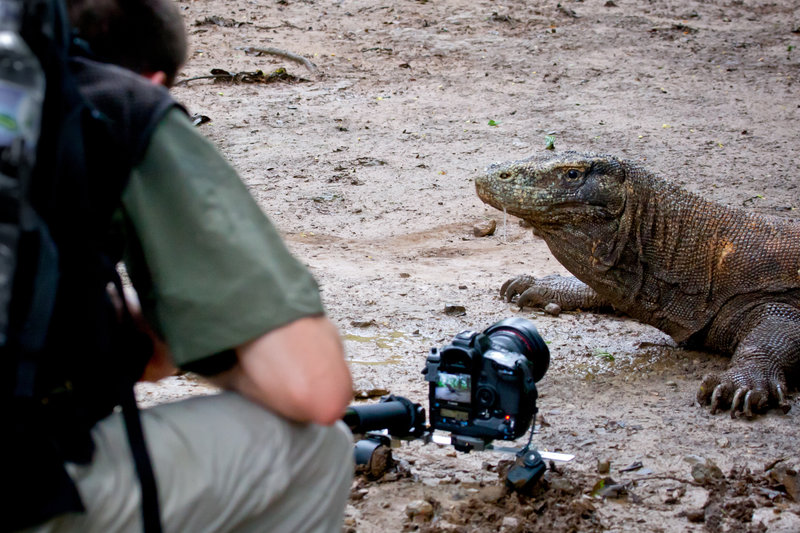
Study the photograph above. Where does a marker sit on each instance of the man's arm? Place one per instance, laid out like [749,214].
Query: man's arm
[214,273]
[297,371]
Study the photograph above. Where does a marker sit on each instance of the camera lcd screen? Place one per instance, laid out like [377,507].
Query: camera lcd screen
[455,415]
[454,387]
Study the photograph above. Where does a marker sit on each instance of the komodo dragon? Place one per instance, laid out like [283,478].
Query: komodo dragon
[706,274]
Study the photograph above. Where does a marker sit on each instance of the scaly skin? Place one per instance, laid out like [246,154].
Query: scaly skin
[568,292]
[706,274]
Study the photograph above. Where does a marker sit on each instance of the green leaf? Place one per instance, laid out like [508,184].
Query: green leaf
[601,483]
[550,142]
[493,123]
[604,354]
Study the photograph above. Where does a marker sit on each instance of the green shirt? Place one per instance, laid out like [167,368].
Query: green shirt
[210,269]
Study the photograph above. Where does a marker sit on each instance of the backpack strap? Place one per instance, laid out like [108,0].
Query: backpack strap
[151,517]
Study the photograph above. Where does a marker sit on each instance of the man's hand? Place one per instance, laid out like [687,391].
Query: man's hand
[160,365]
[297,370]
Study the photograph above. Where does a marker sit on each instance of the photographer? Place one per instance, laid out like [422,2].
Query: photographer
[225,299]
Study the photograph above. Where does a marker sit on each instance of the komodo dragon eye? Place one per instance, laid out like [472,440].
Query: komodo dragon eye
[573,174]
[504,175]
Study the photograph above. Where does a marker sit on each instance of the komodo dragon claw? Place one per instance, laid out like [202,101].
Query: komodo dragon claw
[730,392]
[515,286]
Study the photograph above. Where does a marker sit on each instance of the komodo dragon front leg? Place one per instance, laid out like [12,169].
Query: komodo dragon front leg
[568,292]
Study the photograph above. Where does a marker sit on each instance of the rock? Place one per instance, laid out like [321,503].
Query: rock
[358,494]
[673,495]
[484,228]
[696,515]
[455,310]
[510,523]
[784,522]
[603,467]
[364,388]
[783,475]
[552,309]
[363,323]
[419,510]
[491,493]
[704,471]
[562,484]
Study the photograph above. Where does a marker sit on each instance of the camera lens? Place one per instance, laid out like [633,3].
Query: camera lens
[519,335]
[485,396]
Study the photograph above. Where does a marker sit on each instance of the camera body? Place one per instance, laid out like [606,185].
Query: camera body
[483,385]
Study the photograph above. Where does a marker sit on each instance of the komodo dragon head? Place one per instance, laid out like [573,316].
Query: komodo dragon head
[567,188]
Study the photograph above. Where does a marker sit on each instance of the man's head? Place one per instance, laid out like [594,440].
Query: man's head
[145,36]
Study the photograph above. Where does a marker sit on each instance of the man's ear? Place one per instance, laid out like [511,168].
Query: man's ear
[156,78]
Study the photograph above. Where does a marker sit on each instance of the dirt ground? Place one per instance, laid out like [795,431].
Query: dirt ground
[366,164]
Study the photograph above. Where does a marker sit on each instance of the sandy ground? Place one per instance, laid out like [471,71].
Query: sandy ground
[366,166]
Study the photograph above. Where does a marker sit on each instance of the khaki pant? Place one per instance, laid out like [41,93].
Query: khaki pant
[221,464]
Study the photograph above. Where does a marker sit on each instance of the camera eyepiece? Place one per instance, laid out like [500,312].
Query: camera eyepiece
[518,335]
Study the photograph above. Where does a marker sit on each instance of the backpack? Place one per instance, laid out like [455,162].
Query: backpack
[68,356]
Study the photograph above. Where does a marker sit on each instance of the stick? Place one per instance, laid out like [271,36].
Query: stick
[207,77]
[283,53]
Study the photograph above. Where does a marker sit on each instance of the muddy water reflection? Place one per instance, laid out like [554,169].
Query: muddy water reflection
[382,347]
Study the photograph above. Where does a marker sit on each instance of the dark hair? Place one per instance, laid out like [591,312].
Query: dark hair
[145,36]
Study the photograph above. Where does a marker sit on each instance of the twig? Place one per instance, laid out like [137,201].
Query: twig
[282,53]
[207,77]
[665,476]
[284,24]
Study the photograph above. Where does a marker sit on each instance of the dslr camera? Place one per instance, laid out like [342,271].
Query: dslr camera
[483,385]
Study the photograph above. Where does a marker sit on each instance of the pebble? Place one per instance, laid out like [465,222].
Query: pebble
[484,228]
[562,484]
[787,477]
[419,509]
[455,310]
[784,522]
[706,472]
[552,309]
[696,515]
[357,495]
[363,323]
[510,523]
[491,494]
[603,467]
